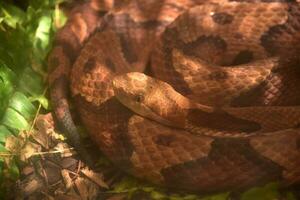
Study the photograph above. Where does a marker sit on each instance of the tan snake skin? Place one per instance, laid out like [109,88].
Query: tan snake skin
[242,54]
[158,101]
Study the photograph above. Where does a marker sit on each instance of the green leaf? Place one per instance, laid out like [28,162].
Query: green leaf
[268,192]
[223,196]
[127,183]
[2,148]
[12,15]
[147,189]
[290,196]
[14,120]
[5,56]
[31,83]
[190,197]
[21,103]
[7,79]
[42,100]
[15,44]
[157,195]
[4,132]
[13,171]
[59,18]
[42,32]
[1,170]
[25,38]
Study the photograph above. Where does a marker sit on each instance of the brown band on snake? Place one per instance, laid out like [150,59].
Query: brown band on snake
[243,57]
[170,41]
[279,140]
[110,134]
[282,40]
[209,46]
[281,88]
[205,47]
[221,121]
[123,22]
[222,18]
[89,65]
[257,169]
[125,28]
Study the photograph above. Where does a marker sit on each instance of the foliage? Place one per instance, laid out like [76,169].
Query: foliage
[25,38]
[131,186]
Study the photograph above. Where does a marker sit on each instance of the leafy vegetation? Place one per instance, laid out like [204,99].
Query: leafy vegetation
[25,40]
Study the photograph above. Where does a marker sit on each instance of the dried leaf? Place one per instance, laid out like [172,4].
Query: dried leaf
[27,170]
[62,190]
[82,188]
[29,150]
[96,177]
[14,144]
[87,189]
[41,138]
[45,128]
[45,122]
[67,179]
[64,149]
[52,172]
[69,163]
[30,185]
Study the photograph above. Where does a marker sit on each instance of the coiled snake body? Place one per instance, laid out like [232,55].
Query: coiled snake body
[234,72]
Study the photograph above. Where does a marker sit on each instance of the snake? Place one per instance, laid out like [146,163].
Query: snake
[163,104]
[191,95]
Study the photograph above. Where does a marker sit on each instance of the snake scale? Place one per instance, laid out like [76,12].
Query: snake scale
[236,60]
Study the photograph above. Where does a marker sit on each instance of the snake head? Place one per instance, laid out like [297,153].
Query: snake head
[133,90]
[149,97]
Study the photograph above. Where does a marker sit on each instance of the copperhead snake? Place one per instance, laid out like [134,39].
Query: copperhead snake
[233,62]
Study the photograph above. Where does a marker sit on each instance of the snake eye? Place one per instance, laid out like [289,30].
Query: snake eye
[139,98]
